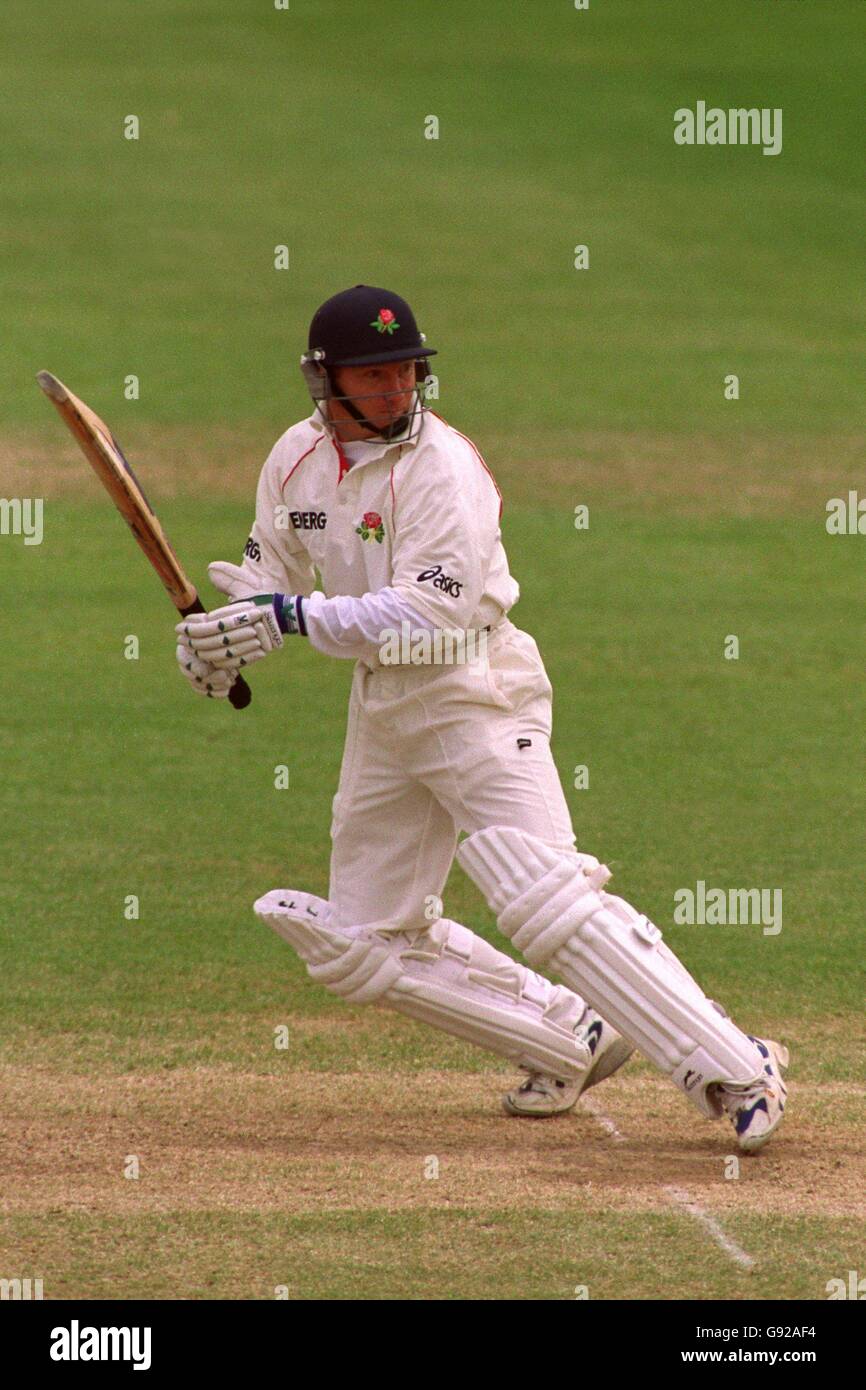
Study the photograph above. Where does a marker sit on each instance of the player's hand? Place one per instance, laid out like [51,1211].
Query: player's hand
[205,679]
[241,632]
[231,580]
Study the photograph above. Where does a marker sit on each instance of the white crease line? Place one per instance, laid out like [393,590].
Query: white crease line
[676,1194]
[711,1225]
[600,1118]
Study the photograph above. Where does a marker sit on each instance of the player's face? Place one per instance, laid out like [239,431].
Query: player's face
[385,392]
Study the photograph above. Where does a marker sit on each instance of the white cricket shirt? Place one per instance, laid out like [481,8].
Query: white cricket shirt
[413,521]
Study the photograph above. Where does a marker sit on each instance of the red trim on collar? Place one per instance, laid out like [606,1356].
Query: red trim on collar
[345,464]
[300,460]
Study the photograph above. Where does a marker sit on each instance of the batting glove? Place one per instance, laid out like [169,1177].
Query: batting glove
[233,580]
[241,632]
[205,679]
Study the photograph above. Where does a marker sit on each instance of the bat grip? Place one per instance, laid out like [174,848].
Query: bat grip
[240,694]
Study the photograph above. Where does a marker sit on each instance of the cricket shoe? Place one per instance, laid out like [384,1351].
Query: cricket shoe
[540,1096]
[756,1111]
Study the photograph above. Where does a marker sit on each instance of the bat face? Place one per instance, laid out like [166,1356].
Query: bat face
[109,444]
[106,457]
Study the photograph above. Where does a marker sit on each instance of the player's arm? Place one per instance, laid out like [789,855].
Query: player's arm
[248,629]
[446,523]
[345,626]
[271,561]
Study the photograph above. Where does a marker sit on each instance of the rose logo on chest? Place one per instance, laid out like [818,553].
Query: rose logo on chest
[370,527]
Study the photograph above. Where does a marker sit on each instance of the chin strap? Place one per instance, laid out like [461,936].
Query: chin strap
[391,431]
[397,427]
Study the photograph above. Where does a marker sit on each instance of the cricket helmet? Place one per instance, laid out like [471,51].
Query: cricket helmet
[362,327]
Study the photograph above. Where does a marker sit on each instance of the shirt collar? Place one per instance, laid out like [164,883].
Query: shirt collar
[373,453]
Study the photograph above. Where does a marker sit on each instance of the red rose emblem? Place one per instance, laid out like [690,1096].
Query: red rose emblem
[372,520]
[385,322]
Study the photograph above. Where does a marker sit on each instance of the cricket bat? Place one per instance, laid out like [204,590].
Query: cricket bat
[105,455]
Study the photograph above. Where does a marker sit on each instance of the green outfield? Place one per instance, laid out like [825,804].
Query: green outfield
[305,1168]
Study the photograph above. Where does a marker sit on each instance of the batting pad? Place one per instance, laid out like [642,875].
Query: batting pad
[551,905]
[445,976]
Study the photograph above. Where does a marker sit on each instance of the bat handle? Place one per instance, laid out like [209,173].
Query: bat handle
[240,694]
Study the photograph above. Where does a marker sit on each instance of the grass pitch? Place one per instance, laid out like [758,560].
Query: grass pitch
[303,1169]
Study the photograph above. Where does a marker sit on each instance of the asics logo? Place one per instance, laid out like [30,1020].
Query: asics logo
[441,581]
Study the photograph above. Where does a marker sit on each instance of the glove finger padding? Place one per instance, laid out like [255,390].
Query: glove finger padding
[204,678]
[229,648]
[219,620]
[234,635]
[232,658]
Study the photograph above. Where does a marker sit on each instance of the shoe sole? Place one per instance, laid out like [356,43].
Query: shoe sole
[610,1061]
[511,1109]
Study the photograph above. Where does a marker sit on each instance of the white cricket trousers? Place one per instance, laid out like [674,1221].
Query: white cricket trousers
[432,751]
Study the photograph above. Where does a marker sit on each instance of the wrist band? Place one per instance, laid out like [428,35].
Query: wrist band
[290,617]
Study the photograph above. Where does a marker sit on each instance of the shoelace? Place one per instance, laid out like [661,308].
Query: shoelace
[538,1084]
[733,1101]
